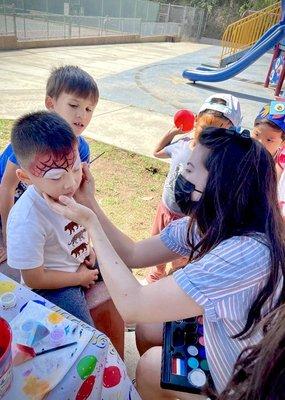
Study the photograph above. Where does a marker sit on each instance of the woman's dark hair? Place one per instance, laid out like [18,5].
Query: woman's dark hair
[259,372]
[240,198]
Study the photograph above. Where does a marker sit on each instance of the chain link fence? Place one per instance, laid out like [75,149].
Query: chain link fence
[55,26]
[50,19]
[144,9]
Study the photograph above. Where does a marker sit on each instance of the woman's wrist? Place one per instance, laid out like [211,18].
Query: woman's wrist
[91,221]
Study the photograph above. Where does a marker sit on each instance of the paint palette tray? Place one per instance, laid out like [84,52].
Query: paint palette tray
[184,363]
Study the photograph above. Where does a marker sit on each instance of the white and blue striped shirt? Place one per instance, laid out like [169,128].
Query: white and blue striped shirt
[225,282]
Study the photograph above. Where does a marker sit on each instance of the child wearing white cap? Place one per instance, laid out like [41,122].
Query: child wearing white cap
[221,110]
[269,130]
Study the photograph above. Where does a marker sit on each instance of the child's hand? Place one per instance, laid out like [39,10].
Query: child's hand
[90,260]
[3,254]
[176,131]
[87,277]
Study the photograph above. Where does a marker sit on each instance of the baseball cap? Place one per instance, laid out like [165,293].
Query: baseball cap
[230,110]
[273,112]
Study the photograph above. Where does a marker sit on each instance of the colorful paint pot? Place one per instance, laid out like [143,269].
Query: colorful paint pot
[8,300]
[197,378]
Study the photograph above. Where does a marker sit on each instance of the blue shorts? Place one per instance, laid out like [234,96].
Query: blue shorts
[71,299]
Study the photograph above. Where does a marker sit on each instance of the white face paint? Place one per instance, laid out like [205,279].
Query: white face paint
[57,173]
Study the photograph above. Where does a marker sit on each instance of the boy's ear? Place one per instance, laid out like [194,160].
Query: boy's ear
[49,103]
[23,176]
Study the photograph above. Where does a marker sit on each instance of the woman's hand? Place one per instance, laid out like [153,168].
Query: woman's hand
[85,193]
[68,207]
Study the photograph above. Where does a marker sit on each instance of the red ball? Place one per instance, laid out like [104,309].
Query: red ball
[184,119]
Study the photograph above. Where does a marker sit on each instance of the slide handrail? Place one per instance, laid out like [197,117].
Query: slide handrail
[245,32]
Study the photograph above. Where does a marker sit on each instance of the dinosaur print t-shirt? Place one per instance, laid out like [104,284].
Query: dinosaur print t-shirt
[38,236]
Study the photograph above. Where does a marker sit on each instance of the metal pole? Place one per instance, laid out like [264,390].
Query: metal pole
[147,10]
[168,13]
[15,24]
[47,27]
[47,19]
[282,21]
[5,17]
[120,9]
[69,27]
[136,8]
[25,27]
[100,24]
[184,15]
[102,8]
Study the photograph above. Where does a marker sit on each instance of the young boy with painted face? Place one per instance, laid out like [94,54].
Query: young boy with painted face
[222,111]
[49,249]
[73,94]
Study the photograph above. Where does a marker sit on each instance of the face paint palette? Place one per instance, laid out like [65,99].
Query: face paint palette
[184,363]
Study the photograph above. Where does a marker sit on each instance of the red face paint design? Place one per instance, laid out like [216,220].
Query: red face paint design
[45,162]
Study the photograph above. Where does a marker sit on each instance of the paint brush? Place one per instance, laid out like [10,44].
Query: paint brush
[24,353]
[95,158]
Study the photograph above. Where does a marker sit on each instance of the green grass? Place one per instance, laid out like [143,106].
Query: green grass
[128,186]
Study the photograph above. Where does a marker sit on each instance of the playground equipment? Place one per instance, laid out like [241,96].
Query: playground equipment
[244,33]
[268,40]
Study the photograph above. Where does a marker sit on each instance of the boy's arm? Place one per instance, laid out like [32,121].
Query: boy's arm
[46,278]
[84,150]
[7,193]
[159,151]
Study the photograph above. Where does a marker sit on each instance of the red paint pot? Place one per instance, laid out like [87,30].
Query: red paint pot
[5,356]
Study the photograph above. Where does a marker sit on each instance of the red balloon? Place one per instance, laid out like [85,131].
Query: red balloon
[112,376]
[86,388]
[184,119]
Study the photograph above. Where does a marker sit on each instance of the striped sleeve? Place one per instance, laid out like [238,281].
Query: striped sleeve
[174,236]
[226,281]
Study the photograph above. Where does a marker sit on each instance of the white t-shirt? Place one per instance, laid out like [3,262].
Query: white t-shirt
[38,236]
[281,193]
[179,152]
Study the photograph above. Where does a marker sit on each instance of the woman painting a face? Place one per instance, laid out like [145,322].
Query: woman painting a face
[234,238]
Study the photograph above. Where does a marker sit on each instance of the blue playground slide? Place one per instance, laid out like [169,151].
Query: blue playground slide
[265,43]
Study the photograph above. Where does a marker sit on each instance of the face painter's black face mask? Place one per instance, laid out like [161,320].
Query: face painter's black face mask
[183,192]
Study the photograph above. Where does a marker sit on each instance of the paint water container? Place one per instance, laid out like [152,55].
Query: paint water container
[5,357]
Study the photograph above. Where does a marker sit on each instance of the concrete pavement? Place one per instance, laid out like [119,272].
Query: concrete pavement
[140,85]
